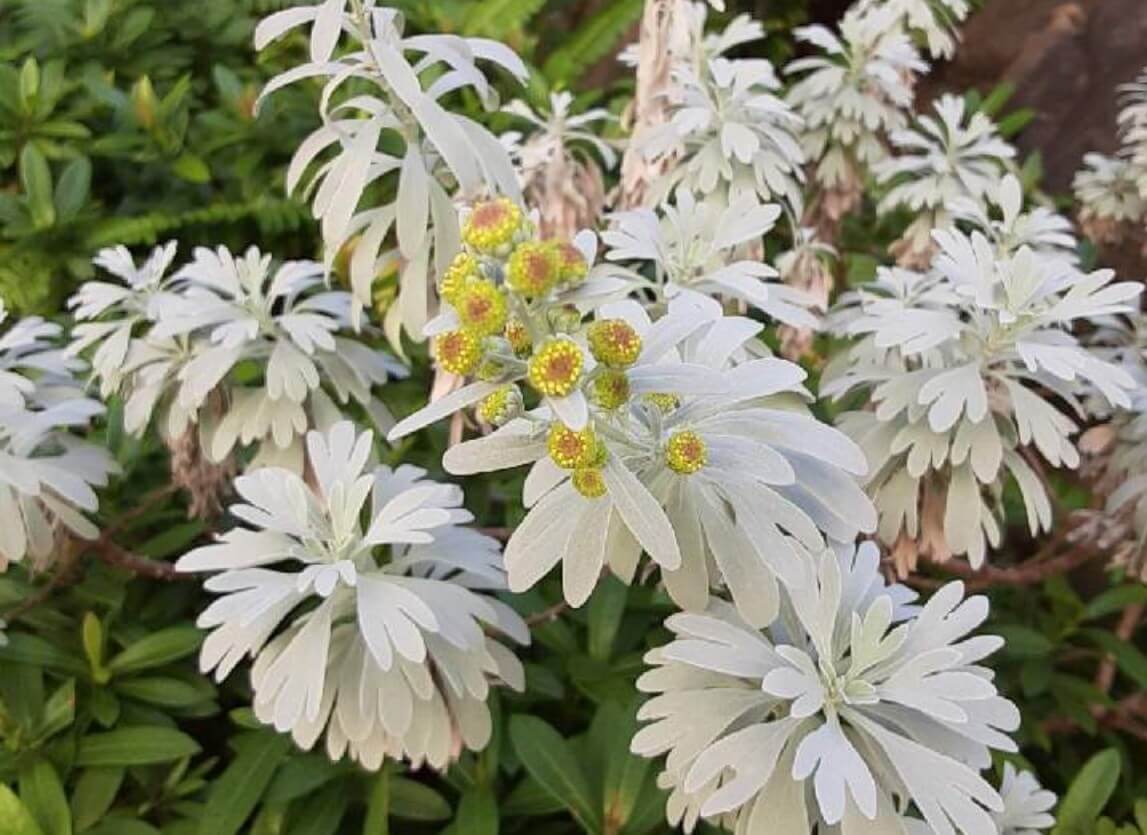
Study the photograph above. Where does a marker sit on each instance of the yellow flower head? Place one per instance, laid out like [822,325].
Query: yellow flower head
[572,266]
[564,319]
[555,368]
[572,450]
[500,406]
[492,226]
[463,268]
[614,343]
[686,453]
[664,403]
[533,269]
[481,307]
[589,482]
[518,335]
[458,352]
[610,389]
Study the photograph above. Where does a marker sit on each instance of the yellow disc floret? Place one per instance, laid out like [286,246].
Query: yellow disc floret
[610,389]
[555,368]
[518,335]
[481,307]
[664,403]
[614,342]
[499,406]
[572,450]
[462,269]
[589,482]
[492,225]
[533,269]
[686,453]
[458,352]
[572,266]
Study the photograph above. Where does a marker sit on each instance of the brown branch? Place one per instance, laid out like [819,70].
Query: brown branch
[116,556]
[548,614]
[1128,715]
[1128,623]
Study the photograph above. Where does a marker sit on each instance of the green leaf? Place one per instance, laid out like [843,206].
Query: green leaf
[498,18]
[302,774]
[135,746]
[1023,641]
[94,794]
[234,796]
[73,188]
[477,813]
[416,801]
[625,774]
[605,611]
[530,800]
[171,693]
[378,806]
[157,649]
[592,41]
[172,540]
[92,633]
[15,819]
[1131,661]
[1115,600]
[119,825]
[550,760]
[36,182]
[321,815]
[191,168]
[1089,793]
[29,83]
[36,652]
[59,711]
[43,794]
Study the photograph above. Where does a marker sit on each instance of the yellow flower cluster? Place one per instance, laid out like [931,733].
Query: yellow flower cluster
[686,452]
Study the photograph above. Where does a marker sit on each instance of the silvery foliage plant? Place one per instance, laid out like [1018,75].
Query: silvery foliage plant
[1120,446]
[443,153]
[234,348]
[637,425]
[946,157]
[974,376]
[706,248]
[1113,189]
[729,130]
[562,162]
[852,705]
[48,474]
[854,94]
[365,603]
[936,21]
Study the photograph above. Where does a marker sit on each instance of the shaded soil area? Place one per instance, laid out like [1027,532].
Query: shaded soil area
[1066,59]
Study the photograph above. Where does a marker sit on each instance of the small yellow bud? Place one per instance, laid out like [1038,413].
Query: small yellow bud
[518,335]
[572,266]
[614,343]
[665,403]
[500,406]
[555,368]
[492,225]
[589,482]
[572,450]
[533,269]
[686,453]
[458,352]
[610,389]
[463,268]
[481,307]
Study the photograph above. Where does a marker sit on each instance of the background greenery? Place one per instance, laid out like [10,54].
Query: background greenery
[131,121]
